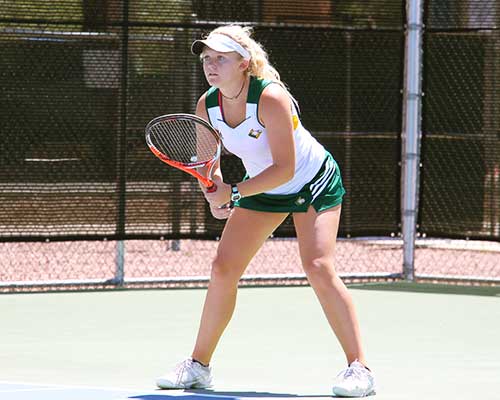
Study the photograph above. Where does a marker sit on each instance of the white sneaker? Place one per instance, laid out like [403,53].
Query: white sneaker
[354,381]
[186,375]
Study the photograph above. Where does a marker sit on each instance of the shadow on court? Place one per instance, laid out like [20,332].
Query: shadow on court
[220,395]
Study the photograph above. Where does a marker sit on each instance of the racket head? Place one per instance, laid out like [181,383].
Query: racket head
[183,138]
[187,142]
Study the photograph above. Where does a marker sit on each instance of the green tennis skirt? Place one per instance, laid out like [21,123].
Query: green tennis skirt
[324,191]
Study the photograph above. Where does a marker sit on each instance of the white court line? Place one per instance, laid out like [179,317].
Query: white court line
[34,389]
[51,386]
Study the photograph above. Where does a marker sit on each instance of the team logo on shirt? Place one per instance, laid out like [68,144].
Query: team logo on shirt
[255,133]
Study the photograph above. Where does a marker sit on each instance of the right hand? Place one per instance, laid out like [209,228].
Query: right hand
[221,212]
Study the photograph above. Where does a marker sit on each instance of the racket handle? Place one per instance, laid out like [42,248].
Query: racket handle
[212,188]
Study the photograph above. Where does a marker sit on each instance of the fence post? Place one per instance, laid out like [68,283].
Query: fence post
[411,135]
[119,263]
[122,151]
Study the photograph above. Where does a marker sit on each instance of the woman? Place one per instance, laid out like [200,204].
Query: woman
[288,171]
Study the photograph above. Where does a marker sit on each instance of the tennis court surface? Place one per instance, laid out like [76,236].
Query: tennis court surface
[422,341]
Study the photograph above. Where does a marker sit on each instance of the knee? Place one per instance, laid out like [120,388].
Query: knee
[223,270]
[319,268]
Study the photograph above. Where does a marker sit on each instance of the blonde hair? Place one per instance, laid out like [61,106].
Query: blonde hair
[259,65]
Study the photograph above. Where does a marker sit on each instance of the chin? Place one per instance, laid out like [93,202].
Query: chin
[214,81]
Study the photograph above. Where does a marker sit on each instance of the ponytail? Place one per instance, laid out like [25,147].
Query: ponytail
[259,66]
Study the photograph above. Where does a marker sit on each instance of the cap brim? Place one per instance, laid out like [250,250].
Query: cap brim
[220,43]
[198,46]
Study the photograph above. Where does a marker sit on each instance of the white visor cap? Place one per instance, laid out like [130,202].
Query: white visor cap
[220,43]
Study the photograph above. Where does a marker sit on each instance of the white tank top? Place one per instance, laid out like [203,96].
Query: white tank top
[249,140]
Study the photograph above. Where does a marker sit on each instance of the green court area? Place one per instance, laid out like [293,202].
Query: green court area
[422,341]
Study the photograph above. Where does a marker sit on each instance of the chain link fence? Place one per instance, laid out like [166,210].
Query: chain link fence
[460,185]
[80,194]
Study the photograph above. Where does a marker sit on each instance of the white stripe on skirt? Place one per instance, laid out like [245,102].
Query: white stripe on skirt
[318,186]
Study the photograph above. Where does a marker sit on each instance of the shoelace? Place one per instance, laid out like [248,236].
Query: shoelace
[353,372]
[181,367]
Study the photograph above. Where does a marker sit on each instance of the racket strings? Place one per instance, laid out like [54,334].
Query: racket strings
[184,140]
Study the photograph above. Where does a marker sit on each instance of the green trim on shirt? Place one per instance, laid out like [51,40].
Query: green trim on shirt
[211,99]
[256,88]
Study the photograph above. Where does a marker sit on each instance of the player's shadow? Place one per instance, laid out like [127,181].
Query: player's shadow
[201,394]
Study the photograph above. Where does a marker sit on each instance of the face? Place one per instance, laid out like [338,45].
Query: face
[222,68]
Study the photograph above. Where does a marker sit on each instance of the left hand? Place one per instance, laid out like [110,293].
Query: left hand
[221,196]
[221,213]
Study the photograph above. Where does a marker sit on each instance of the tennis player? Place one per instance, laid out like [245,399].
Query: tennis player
[288,171]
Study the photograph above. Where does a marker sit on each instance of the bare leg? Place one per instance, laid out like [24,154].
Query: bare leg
[244,234]
[317,235]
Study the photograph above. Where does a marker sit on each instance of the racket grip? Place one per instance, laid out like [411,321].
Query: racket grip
[212,188]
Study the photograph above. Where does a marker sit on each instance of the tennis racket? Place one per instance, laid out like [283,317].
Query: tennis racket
[186,142]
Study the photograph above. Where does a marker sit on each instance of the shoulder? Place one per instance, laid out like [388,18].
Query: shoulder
[274,90]
[257,88]
[274,105]
[201,101]
[274,96]
[201,106]
[209,98]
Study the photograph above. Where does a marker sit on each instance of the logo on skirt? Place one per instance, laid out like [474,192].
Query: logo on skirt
[300,201]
